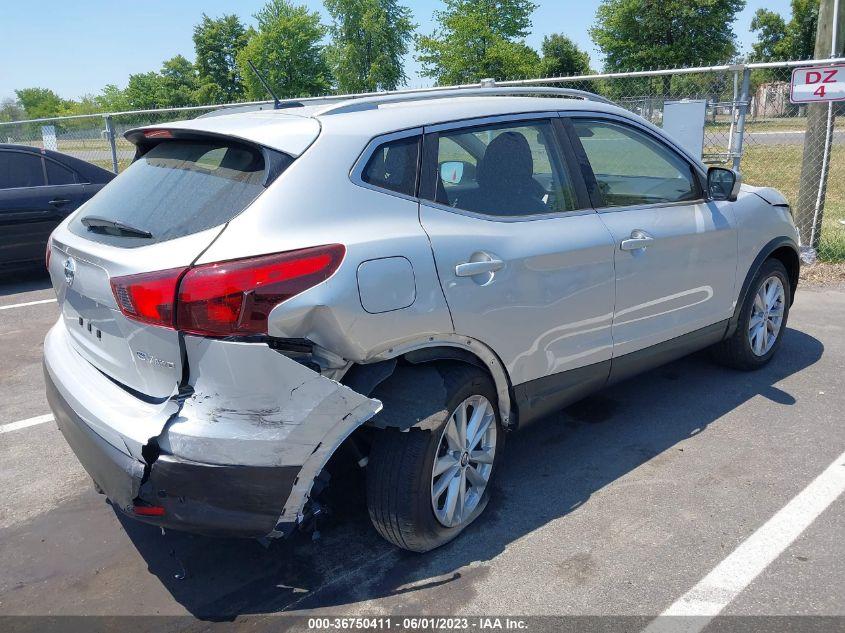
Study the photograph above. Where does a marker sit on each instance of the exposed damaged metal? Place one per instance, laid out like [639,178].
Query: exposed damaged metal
[250,403]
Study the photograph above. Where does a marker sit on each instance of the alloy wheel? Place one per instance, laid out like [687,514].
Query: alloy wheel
[766,315]
[464,461]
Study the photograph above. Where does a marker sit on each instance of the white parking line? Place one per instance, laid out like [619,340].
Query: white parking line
[22,424]
[718,588]
[28,303]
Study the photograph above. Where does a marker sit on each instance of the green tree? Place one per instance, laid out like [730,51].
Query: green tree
[143,90]
[778,39]
[217,43]
[369,40]
[175,86]
[642,34]
[87,104]
[179,83]
[112,99]
[286,50]
[40,102]
[11,110]
[771,32]
[475,39]
[561,56]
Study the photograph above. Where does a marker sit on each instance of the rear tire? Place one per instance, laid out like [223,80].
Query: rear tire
[762,320]
[401,477]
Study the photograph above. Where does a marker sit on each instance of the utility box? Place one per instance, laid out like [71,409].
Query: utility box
[684,122]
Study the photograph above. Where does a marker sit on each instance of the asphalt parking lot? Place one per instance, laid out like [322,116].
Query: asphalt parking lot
[619,505]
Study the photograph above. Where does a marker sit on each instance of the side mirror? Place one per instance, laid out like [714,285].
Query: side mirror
[452,172]
[723,184]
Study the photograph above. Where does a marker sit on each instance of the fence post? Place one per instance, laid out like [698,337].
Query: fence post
[112,144]
[733,114]
[743,110]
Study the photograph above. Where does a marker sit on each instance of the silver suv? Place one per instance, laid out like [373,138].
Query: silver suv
[393,281]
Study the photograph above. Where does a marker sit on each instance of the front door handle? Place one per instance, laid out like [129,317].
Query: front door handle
[470,269]
[639,240]
[58,202]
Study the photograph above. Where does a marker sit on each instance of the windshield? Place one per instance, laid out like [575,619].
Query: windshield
[177,188]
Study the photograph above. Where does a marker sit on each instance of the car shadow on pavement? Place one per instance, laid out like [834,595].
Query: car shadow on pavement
[550,468]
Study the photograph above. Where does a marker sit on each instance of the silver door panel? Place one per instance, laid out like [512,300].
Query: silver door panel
[681,277]
[548,307]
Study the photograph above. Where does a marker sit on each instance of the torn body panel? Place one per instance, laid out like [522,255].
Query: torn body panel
[254,407]
[232,451]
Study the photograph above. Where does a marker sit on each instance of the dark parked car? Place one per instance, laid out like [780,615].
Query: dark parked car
[38,189]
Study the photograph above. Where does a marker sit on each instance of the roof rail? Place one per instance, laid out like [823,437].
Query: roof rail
[486,88]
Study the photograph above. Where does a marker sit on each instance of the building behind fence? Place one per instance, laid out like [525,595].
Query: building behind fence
[750,124]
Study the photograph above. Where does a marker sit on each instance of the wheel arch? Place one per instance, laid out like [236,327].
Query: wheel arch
[365,377]
[785,250]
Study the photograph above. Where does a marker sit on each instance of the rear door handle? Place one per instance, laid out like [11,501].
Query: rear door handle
[470,269]
[58,202]
[639,240]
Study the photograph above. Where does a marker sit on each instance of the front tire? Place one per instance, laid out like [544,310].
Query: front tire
[424,486]
[762,320]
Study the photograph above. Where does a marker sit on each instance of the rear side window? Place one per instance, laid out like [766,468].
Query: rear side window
[393,166]
[511,169]
[20,169]
[59,174]
[177,188]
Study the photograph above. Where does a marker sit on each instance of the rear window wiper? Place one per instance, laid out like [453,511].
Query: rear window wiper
[113,227]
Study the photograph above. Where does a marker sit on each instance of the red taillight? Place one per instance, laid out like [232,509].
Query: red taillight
[49,251]
[235,297]
[225,298]
[148,511]
[148,297]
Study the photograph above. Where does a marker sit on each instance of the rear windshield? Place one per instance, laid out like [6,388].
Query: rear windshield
[177,188]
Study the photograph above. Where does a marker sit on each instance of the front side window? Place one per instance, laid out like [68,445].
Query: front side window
[503,170]
[393,166]
[20,169]
[632,168]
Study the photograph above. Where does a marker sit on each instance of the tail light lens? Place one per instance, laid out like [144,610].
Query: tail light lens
[148,297]
[225,298]
[236,297]
[48,252]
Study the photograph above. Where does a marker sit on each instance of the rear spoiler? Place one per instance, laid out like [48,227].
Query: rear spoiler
[146,138]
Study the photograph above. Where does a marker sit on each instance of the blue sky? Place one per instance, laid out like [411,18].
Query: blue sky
[77,47]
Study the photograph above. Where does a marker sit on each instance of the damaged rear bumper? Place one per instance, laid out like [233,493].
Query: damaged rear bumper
[212,499]
[236,457]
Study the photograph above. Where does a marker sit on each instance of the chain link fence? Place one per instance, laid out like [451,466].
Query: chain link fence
[749,124]
[96,138]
